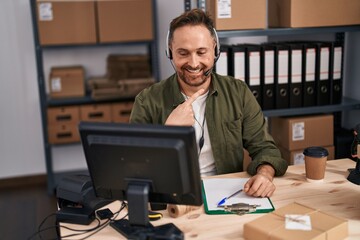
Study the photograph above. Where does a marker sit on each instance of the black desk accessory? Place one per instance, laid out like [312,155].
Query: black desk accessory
[77,201]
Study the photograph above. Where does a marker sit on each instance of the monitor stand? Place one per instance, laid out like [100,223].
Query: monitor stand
[138,225]
[354,175]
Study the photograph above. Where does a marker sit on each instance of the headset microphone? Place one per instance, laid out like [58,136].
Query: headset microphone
[208,72]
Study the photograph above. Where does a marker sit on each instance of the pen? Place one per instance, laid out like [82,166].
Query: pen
[226,198]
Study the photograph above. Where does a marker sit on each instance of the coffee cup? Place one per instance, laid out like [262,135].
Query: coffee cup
[315,163]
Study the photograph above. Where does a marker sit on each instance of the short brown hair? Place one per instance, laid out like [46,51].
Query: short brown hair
[192,17]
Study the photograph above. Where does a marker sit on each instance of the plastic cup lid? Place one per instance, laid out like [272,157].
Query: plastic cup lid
[316,152]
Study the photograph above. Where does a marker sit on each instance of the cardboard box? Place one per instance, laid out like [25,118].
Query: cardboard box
[313,13]
[120,66]
[62,115]
[66,22]
[296,222]
[240,14]
[125,88]
[125,20]
[95,113]
[296,157]
[63,133]
[293,133]
[67,82]
[121,111]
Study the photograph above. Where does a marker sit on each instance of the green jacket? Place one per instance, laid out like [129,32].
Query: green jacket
[234,119]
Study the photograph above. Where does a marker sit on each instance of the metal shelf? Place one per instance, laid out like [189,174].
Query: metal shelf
[53,102]
[346,104]
[96,45]
[45,101]
[287,31]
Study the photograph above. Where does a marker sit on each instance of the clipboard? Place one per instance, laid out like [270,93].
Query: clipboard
[214,189]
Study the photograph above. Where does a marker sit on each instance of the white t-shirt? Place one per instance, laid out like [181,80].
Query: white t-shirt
[206,158]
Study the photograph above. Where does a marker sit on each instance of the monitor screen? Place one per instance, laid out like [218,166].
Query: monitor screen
[158,162]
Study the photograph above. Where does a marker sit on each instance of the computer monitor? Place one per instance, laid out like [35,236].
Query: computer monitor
[142,163]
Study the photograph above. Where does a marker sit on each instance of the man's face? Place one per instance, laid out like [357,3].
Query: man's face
[193,54]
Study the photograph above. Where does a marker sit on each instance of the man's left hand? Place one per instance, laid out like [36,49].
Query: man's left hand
[261,184]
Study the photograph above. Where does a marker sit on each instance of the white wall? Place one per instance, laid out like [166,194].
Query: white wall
[21,147]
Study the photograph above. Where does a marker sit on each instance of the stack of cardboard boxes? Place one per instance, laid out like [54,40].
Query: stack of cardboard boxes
[121,66]
[293,134]
[90,22]
[126,76]
[62,124]
[69,82]
[63,121]
[94,21]
[260,14]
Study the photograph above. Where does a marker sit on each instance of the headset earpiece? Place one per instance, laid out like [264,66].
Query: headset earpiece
[217,47]
[167,49]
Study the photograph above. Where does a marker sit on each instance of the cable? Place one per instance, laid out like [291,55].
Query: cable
[99,226]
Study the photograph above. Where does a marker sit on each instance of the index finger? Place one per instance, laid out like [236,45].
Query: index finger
[191,99]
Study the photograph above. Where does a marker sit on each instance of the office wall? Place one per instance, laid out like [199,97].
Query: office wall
[21,148]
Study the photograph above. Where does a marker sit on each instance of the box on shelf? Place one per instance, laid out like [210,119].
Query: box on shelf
[295,157]
[63,133]
[297,222]
[121,112]
[125,20]
[293,133]
[240,14]
[103,88]
[61,115]
[120,66]
[95,113]
[313,13]
[67,82]
[66,22]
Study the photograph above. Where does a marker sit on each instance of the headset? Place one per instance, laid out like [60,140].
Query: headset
[217,50]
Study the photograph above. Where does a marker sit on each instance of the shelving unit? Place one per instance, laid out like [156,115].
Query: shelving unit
[346,104]
[46,101]
[287,31]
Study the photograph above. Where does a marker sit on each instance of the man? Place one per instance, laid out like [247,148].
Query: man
[223,111]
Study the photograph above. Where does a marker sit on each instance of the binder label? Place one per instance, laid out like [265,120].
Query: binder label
[221,64]
[296,60]
[298,131]
[310,65]
[324,63]
[337,62]
[239,63]
[254,69]
[283,67]
[269,67]
[224,8]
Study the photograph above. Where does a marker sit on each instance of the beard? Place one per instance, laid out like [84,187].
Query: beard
[188,79]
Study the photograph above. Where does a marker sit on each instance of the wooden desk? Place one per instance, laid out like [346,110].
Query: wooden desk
[335,195]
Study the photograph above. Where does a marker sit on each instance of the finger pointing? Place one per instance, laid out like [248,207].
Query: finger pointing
[195,96]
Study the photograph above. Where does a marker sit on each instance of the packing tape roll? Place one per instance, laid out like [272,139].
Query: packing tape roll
[179,210]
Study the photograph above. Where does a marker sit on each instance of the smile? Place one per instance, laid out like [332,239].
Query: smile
[194,70]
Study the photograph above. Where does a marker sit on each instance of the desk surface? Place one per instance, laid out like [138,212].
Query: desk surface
[335,195]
